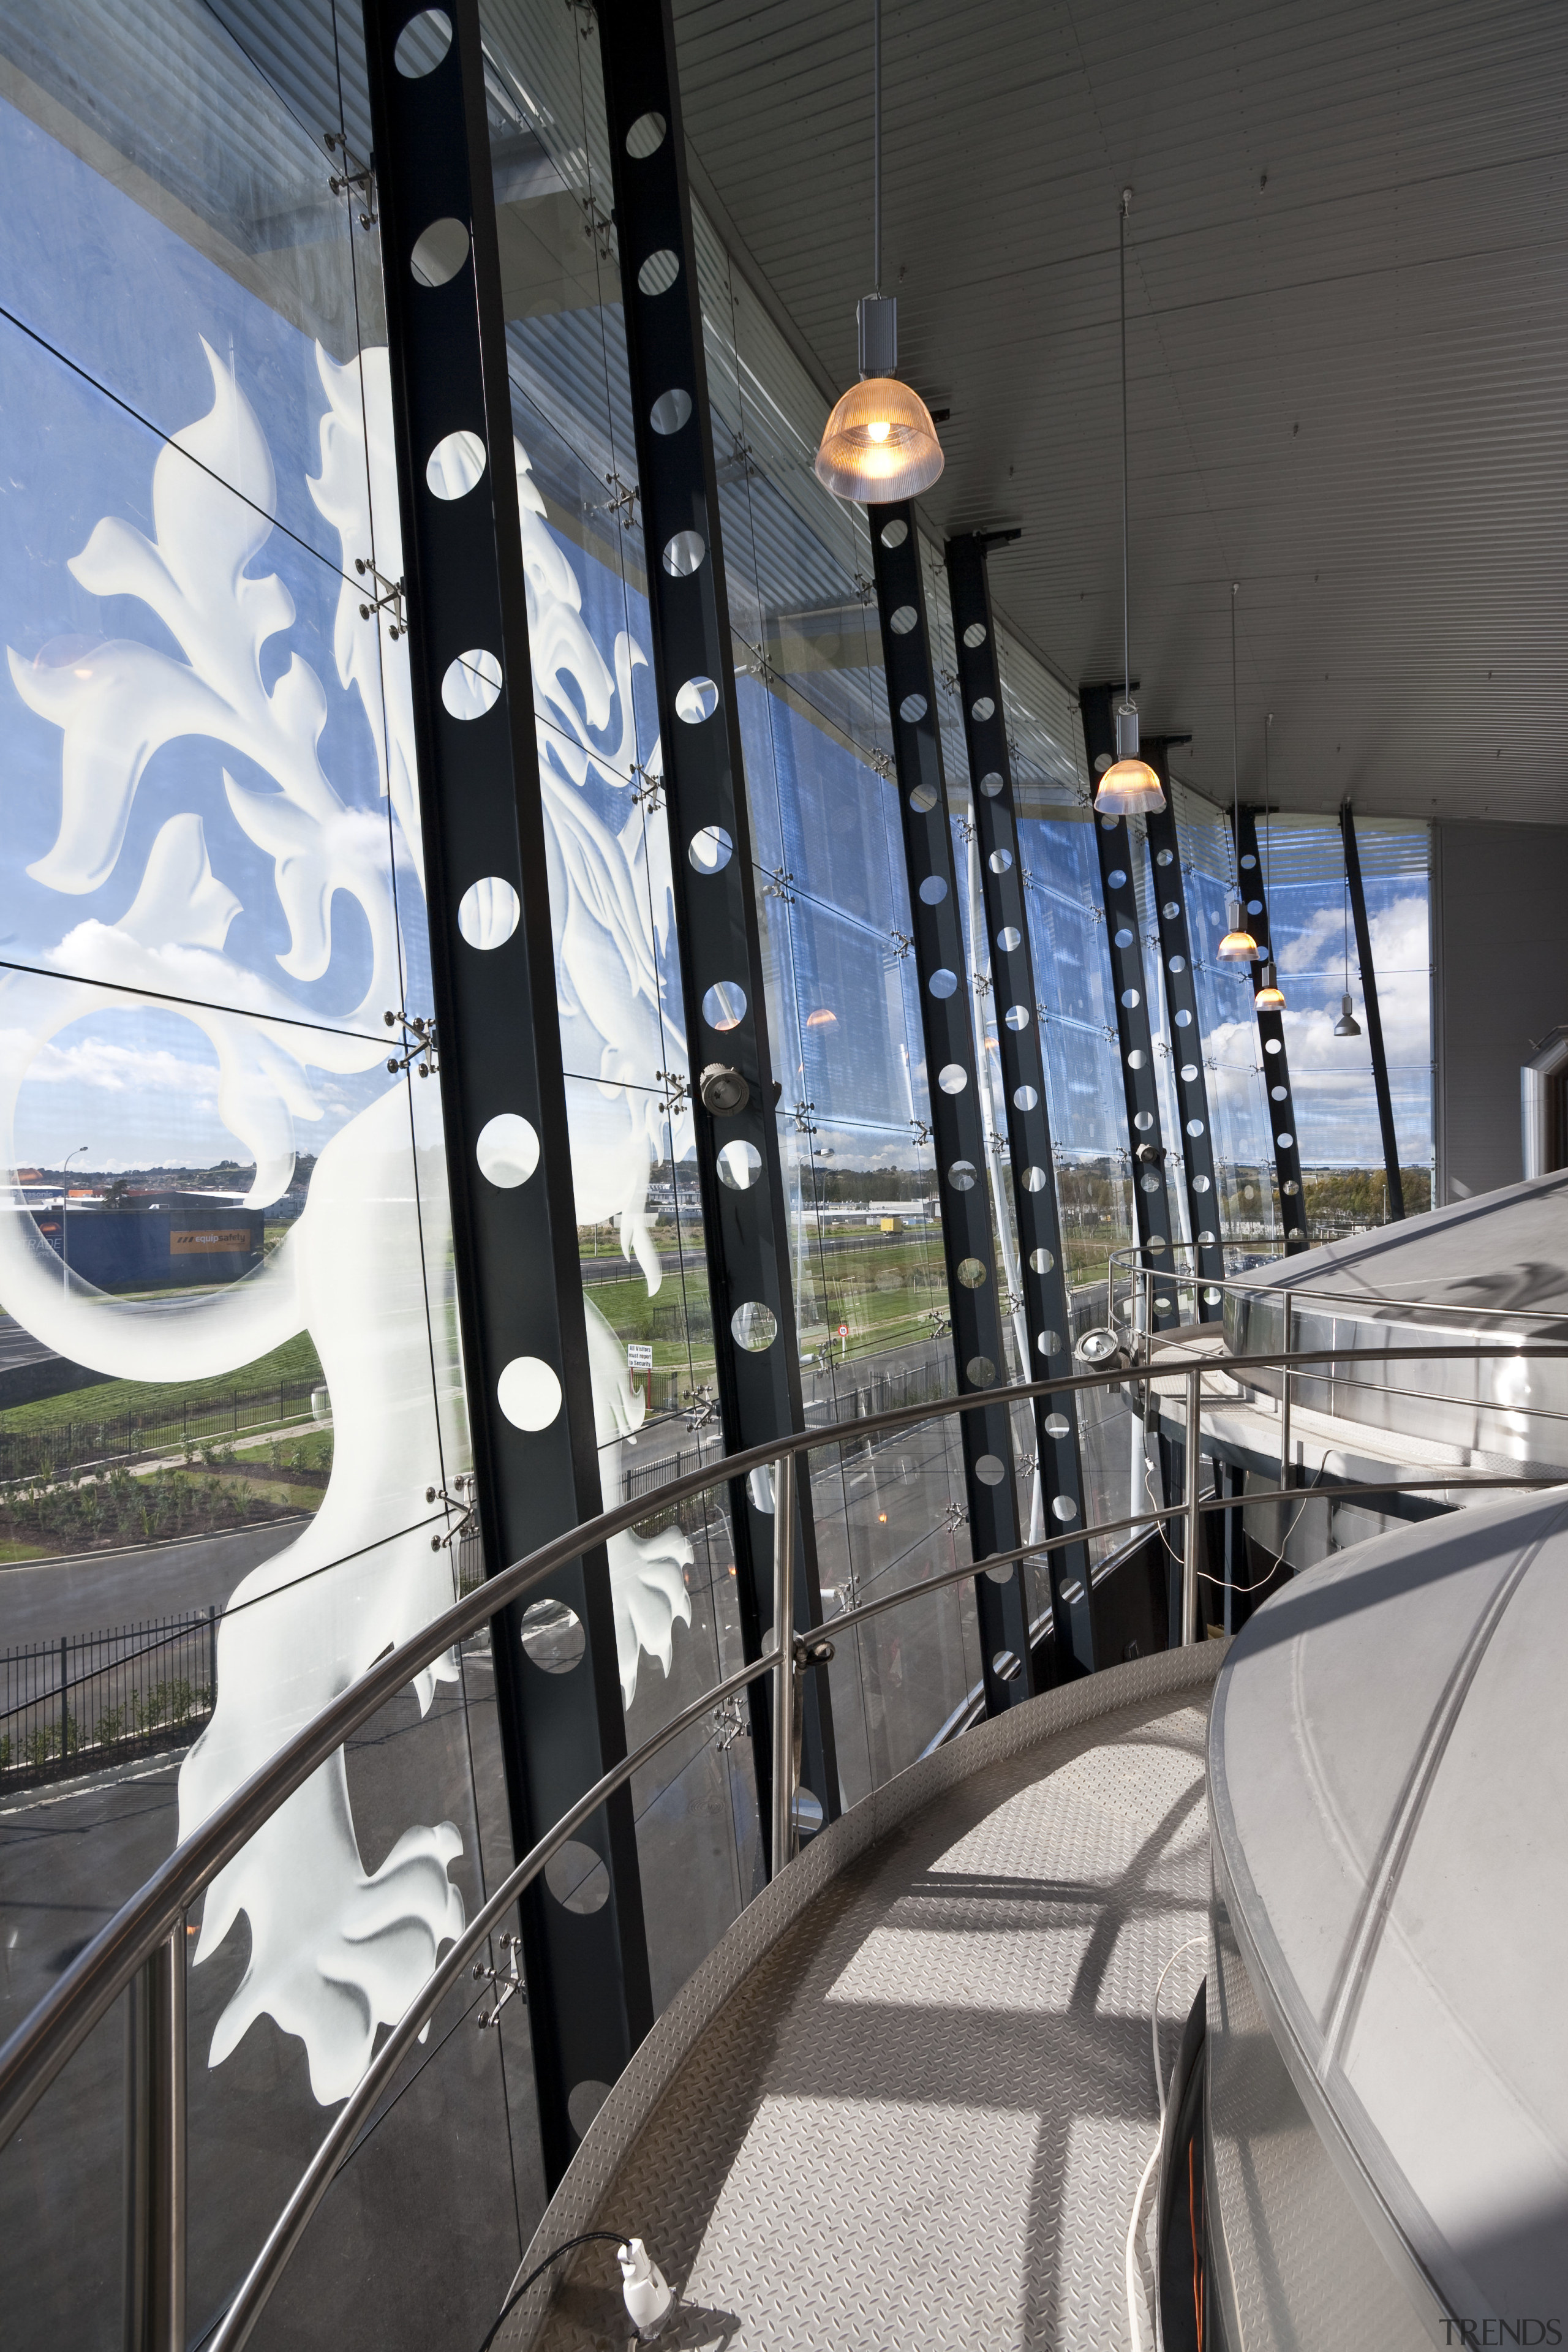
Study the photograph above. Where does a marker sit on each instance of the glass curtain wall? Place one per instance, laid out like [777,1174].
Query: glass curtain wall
[1314,942]
[843,1009]
[854,1128]
[1078,1022]
[1233,1059]
[230,1382]
[623,1021]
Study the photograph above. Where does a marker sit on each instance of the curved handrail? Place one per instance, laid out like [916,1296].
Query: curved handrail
[235,2328]
[1255,1284]
[56,2029]
[51,2034]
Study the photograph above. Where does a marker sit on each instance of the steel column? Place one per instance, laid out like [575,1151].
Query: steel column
[1170,895]
[739,1175]
[1373,1017]
[1041,1269]
[1272,1031]
[952,1079]
[518,1282]
[1113,841]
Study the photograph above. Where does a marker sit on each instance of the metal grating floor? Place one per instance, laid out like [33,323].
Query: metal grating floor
[921,2119]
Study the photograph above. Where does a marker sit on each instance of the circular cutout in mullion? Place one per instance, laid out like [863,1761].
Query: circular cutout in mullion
[472,685]
[422,44]
[439,252]
[645,136]
[455,465]
[658,272]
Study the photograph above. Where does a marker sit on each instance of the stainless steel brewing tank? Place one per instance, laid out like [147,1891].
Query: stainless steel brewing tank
[1387,2132]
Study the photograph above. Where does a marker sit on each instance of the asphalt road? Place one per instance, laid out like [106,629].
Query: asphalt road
[17,1346]
[96,1591]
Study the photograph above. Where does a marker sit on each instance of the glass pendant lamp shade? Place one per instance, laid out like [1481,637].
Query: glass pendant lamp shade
[1270,997]
[1347,1025]
[1130,788]
[880,444]
[1238,946]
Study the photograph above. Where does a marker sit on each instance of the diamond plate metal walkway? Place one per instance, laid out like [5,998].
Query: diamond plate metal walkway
[920,2118]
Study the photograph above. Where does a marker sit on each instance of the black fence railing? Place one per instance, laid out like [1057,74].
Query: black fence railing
[88,1699]
[170,1428]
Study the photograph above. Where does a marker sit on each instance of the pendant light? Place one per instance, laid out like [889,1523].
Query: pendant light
[1270,997]
[1130,787]
[1347,1025]
[1238,946]
[879,445]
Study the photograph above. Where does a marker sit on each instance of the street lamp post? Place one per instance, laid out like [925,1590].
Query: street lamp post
[64,1211]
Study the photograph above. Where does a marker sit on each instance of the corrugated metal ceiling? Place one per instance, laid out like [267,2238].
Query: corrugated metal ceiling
[1347,345]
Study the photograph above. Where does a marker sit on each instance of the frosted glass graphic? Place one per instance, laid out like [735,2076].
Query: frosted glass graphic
[329,884]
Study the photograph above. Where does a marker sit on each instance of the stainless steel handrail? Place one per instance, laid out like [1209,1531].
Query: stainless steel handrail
[1254,1285]
[148,1922]
[75,2003]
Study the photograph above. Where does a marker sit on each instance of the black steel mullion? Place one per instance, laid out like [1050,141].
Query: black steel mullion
[1114,842]
[1272,1031]
[1170,889]
[515,1249]
[1041,1269]
[1373,1017]
[745,1227]
[957,1127]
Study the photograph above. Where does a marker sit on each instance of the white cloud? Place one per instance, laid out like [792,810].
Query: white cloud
[95,1065]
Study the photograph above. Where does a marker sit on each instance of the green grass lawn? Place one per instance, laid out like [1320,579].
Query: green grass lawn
[296,1361]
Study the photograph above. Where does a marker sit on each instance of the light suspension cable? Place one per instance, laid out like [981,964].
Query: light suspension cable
[1269,997]
[1238,946]
[877,146]
[1121,273]
[1129,786]
[879,445]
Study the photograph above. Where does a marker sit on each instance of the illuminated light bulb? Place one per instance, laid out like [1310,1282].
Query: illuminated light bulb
[1269,997]
[1238,946]
[879,445]
[1130,788]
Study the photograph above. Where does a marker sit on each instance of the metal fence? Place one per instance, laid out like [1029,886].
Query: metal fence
[94,1698]
[166,1428]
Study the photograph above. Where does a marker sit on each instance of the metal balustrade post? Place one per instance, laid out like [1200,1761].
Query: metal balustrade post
[1285,1463]
[1194,1519]
[782,1847]
[154,2274]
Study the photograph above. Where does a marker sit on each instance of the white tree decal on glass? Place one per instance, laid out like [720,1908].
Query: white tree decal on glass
[335,1950]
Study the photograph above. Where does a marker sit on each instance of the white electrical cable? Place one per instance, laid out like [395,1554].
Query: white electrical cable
[1134,2286]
